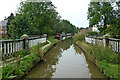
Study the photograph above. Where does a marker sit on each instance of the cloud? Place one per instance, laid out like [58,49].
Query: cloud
[73,10]
[7,7]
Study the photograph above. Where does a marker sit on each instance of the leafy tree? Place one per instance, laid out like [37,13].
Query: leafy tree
[100,14]
[11,17]
[114,28]
[37,18]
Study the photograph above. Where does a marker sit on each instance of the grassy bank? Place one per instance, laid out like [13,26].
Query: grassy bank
[104,58]
[0,73]
[23,66]
[52,40]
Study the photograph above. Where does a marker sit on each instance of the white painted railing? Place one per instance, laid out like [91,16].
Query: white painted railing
[10,47]
[114,43]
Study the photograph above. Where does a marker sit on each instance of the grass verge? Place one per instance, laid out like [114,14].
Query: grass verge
[0,73]
[104,58]
[53,41]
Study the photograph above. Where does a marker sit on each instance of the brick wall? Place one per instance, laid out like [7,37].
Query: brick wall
[3,29]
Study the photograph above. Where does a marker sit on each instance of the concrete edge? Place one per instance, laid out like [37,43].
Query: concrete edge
[81,48]
[49,48]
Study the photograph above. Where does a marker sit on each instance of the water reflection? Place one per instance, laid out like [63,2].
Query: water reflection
[95,72]
[65,60]
[48,67]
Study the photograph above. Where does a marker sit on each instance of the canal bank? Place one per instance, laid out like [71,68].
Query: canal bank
[24,65]
[103,58]
[65,60]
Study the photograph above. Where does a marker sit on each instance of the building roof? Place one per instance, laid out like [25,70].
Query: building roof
[3,23]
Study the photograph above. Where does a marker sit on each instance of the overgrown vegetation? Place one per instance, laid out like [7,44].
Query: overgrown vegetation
[18,69]
[21,53]
[0,73]
[104,58]
[91,33]
[52,40]
[23,66]
[79,36]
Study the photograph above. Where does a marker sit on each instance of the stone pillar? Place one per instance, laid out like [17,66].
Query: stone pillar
[106,40]
[45,35]
[25,38]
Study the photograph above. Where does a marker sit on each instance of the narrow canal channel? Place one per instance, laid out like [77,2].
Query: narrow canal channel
[65,60]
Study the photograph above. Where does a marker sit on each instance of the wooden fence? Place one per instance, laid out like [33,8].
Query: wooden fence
[9,47]
[114,43]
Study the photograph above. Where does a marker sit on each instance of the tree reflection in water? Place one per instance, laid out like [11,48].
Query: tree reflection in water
[47,67]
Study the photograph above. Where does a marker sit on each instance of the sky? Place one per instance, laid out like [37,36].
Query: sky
[74,11]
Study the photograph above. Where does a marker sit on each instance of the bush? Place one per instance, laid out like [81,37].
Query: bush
[100,53]
[17,70]
[92,33]
[21,53]
[79,36]
[110,70]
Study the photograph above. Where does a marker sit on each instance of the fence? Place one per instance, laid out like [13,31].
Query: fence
[9,47]
[114,43]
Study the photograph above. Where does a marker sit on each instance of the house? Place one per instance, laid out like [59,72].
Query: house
[86,29]
[95,28]
[3,28]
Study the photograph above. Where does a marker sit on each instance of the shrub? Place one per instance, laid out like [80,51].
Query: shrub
[19,69]
[79,36]
[21,53]
[100,53]
[91,33]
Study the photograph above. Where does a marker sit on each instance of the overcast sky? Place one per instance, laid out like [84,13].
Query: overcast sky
[73,10]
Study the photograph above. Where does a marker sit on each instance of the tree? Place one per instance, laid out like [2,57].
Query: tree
[11,17]
[37,18]
[66,27]
[114,29]
[34,18]
[100,14]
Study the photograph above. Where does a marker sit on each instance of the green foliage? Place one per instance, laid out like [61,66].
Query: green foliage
[104,58]
[0,73]
[35,48]
[110,70]
[18,70]
[91,33]
[100,53]
[103,14]
[21,53]
[66,27]
[37,18]
[79,36]
[52,40]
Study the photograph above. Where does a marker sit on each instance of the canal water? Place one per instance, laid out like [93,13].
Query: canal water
[65,60]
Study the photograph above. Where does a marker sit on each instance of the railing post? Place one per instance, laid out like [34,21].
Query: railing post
[25,38]
[23,43]
[1,51]
[118,46]
[105,42]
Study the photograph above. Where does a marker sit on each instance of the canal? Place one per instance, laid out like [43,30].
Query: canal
[65,60]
